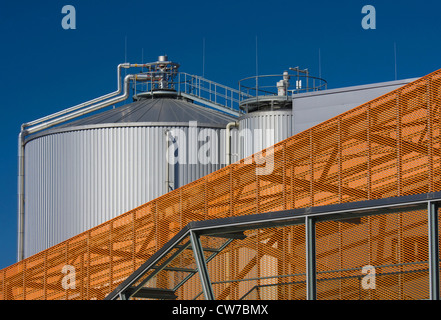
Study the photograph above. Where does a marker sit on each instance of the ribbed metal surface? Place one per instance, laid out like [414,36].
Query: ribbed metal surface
[164,110]
[80,177]
[262,129]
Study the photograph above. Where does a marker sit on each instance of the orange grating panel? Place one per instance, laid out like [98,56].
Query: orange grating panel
[395,245]
[387,147]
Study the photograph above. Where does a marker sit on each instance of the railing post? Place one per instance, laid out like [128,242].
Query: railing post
[311,274]
[432,215]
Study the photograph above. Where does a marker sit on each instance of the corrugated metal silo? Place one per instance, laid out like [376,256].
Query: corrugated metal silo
[86,172]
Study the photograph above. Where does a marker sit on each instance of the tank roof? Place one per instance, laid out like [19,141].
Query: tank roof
[146,112]
[162,110]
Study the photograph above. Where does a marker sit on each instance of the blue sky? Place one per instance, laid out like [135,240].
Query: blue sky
[44,68]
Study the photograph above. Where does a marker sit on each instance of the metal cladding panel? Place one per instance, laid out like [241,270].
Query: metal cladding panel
[79,179]
[262,129]
[312,108]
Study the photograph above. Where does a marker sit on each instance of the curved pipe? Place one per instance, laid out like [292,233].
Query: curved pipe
[84,104]
[84,111]
[21,143]
[228,139]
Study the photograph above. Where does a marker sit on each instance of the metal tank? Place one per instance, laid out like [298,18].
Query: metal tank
[267,106]
[261,129]
[82,173]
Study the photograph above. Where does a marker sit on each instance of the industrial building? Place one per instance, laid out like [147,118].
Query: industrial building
[279,189]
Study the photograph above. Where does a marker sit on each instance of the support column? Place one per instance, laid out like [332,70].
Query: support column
[434,283]
[201,265]
[311,269]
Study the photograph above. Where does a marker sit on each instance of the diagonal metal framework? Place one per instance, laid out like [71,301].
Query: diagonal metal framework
[186,239]
[308,217]
[388,147]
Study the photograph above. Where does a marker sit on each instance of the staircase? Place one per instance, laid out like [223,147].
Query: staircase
[179,255]
[209,93]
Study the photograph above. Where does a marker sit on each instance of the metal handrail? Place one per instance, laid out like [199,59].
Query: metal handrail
[328,279]
[209,90]
[319,280]
[199,87]
[249,90]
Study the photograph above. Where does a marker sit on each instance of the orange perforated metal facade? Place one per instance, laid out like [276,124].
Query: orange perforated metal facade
[387,147]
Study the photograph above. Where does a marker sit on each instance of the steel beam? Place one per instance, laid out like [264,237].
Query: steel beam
[207,260]
[309,217]
[132,291]
[201,265]
[311,268]
[434,282]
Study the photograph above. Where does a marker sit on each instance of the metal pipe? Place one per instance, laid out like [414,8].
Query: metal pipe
[167,165]
[84,104]
[92,108]
[21,144]
[228,139]
[87,103]
[20,253]
[66,115]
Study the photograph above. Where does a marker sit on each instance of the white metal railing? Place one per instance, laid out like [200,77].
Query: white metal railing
[209,90]
[198,87]
[268,85]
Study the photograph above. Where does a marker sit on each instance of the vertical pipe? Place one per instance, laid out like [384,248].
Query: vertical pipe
[228,139]
[434,283]
[42,126]
[20,253]
[399,144]
[311,275]
[167,161]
